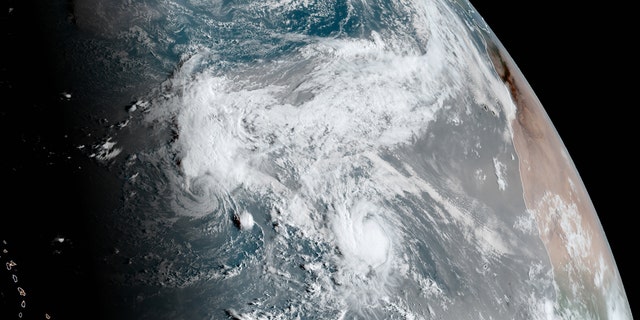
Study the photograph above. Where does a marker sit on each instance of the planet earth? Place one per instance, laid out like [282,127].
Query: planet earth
[291,159]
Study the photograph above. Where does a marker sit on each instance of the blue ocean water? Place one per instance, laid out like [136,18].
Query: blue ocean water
[306,160]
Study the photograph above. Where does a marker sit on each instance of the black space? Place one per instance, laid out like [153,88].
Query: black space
[577,57]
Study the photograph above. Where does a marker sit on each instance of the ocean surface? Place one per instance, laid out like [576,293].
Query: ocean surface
[275,160]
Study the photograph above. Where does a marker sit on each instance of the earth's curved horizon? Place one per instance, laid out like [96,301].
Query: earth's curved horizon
[294,159]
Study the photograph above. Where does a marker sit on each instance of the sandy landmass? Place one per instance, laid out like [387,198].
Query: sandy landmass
[584,269]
